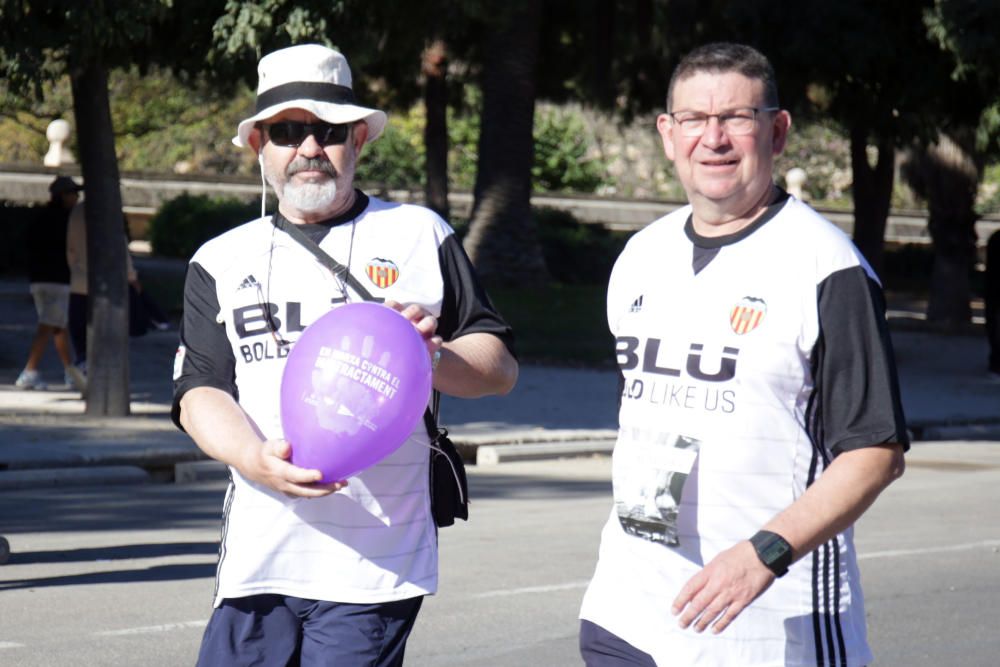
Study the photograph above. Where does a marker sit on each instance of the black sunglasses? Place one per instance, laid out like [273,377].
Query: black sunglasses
[291,133]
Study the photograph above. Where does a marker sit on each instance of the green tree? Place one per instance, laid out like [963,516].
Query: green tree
[503,238]
[884,102]
[946,170]
[45,41]
[946,174]
[162,121]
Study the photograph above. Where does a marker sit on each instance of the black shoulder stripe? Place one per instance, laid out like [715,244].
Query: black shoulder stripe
[210,362]
[853,367]
[465,306]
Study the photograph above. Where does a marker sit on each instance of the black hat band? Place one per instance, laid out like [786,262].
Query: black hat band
[305,90]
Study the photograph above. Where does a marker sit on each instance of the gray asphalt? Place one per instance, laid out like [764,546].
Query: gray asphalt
[120,575]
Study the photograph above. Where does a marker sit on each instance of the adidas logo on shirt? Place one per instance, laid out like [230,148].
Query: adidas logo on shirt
[248,282]
[636,305]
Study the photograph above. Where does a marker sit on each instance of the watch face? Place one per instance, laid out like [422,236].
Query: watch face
[773,550]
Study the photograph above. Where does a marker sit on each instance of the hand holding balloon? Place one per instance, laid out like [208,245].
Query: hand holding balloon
[268,465]
[424,322]
[355,386]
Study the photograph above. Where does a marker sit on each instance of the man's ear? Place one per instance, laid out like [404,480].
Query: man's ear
[254,139]
[360,135]
[782,123]
[663,126]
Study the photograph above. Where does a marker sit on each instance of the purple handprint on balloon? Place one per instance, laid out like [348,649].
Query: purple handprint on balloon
[346,385]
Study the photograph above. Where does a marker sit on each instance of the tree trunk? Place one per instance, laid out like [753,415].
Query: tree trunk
[946,174]
[991,299]
[435,69]
[601,36]
[503,238]
[872,192]
[107,312]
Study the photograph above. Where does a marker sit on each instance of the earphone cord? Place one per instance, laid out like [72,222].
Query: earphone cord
[263,186]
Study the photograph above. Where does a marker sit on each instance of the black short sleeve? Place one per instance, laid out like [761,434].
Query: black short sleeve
[465,306]
[205,357]
[857,401]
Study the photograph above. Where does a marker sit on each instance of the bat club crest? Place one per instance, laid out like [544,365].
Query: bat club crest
[382,272]
[747,314]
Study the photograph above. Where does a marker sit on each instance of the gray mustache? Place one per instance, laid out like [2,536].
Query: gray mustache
[311,164]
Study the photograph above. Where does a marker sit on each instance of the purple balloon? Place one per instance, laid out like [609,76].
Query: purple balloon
[355,385]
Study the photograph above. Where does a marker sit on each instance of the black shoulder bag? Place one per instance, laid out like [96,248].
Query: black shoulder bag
[449,486]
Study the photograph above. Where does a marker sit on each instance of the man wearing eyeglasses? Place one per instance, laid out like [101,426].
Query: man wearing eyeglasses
[759,412]
[321,573]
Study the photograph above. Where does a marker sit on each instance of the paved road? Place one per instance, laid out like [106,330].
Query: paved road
[930,559]
[122,575]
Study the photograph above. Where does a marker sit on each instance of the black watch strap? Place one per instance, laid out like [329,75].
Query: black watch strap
[773,550]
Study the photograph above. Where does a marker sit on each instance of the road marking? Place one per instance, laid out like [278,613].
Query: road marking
[152,629]
[504,592]
[4,645]
[893,553]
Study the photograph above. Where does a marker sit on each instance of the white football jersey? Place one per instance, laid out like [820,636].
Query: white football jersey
[749,362]
[249,294]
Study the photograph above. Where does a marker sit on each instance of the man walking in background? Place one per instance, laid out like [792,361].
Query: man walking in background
[48,274]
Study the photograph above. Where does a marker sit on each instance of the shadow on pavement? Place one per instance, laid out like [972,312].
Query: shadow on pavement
[149,574]
[530,487]
[146,507]
[120,552]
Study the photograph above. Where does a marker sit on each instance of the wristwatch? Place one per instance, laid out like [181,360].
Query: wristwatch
[773,550]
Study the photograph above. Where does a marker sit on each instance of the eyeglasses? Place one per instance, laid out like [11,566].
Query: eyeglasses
[291,133]
[734,122]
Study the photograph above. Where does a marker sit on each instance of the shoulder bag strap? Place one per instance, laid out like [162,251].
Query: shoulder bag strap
[335,267]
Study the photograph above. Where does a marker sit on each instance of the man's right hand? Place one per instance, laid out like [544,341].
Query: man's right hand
[221,429]
[268,465]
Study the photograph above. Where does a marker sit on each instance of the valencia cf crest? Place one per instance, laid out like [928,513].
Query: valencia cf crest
[747,314]
[382,272]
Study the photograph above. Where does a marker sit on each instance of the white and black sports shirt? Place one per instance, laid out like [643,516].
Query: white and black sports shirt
[749,362]
[250,293]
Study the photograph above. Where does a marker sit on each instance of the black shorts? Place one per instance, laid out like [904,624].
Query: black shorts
[600,648]
[282,630]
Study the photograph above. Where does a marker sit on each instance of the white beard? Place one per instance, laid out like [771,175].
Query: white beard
[310,197]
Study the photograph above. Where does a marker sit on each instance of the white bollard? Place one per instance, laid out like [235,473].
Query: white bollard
[58,134]
[795,178]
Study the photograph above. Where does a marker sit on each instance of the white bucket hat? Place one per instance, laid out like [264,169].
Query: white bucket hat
[311,77]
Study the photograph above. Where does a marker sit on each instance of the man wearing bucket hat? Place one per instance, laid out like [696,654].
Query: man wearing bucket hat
[49,278]
[314,573]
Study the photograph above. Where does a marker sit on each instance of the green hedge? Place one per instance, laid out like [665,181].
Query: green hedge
[184,223]
[577,253]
